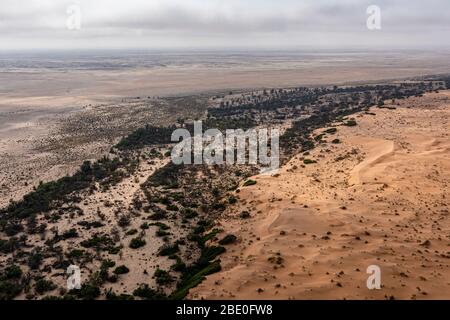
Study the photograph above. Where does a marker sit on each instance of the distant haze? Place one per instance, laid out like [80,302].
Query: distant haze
[256,24]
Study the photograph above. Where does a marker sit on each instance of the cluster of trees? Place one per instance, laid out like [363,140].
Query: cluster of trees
[297,138]
[53,194]
[10,282]
[146,136]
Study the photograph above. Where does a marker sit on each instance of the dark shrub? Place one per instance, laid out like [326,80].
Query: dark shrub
[121,270]
[309,161]
[331,130]
[249,182]
[124,221]
[162,277]
[172,207]
[228,239]
[110,295]
[41,286]
[158,215]
[179,265]
[89,292]
[244,215]
[72,233]
[12,272]
[9,290]
[13,228]
[101,242]
[75,253]
[168,249]
[131,232]
[189,213]
[137,243]
[35,260]
[232,200]
[145,292]
[350,123]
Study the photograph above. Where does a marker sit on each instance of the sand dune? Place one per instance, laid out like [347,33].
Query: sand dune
[381,197]
[378,152]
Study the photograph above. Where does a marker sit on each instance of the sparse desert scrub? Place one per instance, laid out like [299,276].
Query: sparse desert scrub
[200,194]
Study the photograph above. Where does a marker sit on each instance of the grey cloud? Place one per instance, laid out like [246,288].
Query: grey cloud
[171,22]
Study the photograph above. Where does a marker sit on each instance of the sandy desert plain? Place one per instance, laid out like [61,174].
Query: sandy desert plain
[378,195]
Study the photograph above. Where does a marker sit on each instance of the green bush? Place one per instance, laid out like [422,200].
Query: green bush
[110,295]
[162,277]
[114,250]
[331,130]
[228,239]
[244,215]
[179,265]
[191,281]
[131,232]
[161,233]
[41,286]
[121,270]
[249,182]
[232,200]
[350,123]
[209,254]
[9,290]
[35,260]
[10,245]
[72,233]
[146,136]
[145,292]
[319,137]
[49,194]
[144,226]
[100,242]
[157,216]
[172,207]
[106,264]
[89,291]
[168,249]
[11,272]
[75,254]
[189,213]
[202,240]
[137,243]
[161,226]
[309,161]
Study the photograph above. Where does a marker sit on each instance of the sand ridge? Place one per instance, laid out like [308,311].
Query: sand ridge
[379,197]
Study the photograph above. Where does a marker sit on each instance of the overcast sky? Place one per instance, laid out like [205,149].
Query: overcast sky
[274,24]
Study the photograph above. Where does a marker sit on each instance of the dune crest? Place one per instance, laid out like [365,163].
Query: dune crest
[378,151]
